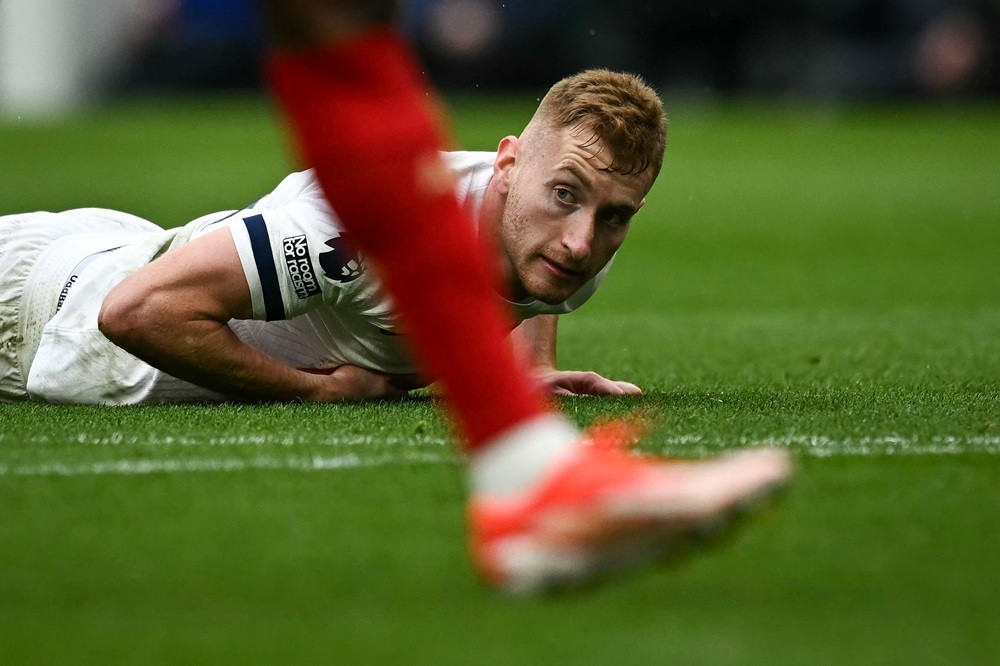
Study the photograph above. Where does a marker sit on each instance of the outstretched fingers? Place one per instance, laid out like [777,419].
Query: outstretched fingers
[577,383]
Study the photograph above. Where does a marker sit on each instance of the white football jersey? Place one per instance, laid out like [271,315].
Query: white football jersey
[316,302]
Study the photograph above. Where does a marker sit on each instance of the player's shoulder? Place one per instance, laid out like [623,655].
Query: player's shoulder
[464,161]
[298,186]
[472,171]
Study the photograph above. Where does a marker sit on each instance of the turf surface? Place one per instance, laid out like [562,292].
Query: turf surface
[820,279]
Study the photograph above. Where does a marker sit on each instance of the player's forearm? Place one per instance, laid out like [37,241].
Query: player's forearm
[208,353]
[535,338]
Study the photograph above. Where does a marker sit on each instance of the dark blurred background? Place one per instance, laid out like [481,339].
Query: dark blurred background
[56,54]
[813,48]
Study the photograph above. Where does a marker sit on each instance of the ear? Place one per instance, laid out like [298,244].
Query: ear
[508,153]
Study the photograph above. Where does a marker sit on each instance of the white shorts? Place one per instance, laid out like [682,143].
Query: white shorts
[24,307]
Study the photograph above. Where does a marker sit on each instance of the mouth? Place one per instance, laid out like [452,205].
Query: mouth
[560,271]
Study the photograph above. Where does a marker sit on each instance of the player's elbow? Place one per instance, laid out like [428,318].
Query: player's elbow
[120,316]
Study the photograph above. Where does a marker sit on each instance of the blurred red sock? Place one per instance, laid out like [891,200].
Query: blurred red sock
[363,118]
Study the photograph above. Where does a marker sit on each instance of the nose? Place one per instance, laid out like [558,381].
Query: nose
[578,236]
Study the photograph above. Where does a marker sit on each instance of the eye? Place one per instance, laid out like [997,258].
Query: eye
[613,219]
[564,195]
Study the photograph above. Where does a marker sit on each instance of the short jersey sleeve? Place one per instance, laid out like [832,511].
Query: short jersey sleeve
[295,258]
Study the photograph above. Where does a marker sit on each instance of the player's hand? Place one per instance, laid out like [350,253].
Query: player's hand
[574,383]
[349,383]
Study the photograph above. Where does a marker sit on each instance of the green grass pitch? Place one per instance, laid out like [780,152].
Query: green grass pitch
[822,279]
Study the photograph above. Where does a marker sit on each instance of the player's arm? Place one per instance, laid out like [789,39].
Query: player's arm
[174,314]
[536,338]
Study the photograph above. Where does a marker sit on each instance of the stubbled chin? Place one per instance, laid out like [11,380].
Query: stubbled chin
[549,293]
[553,300]
[537,284]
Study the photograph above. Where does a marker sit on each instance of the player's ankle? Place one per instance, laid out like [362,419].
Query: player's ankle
[519,457]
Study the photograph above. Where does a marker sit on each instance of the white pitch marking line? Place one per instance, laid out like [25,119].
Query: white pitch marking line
[809,445]
[129,467]
[155,440]
[822,446]
[816,444]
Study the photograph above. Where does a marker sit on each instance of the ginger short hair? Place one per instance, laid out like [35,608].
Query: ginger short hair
[617,110]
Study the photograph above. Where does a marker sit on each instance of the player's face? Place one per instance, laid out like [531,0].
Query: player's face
[565,215]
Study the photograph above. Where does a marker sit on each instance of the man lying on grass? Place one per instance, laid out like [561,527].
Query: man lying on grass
[272,302]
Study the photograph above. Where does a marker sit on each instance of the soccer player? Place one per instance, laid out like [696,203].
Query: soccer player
[306,297]
[548,505]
